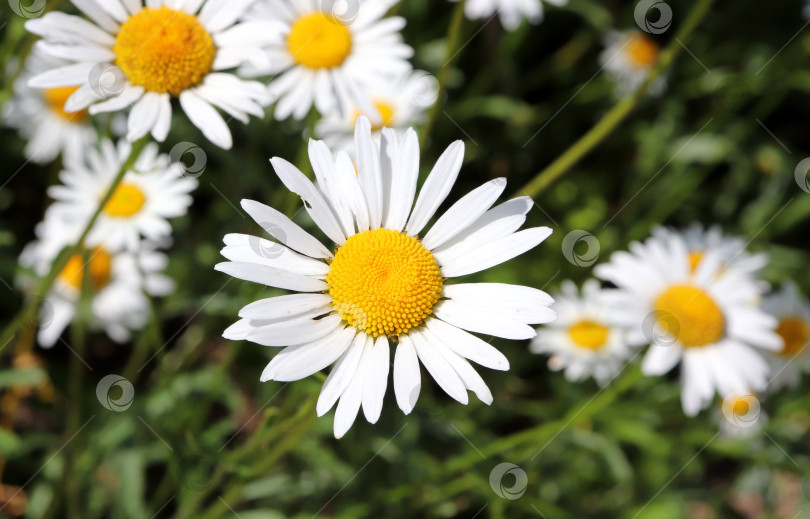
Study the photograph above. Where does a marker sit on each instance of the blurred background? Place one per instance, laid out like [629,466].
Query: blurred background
[201,436]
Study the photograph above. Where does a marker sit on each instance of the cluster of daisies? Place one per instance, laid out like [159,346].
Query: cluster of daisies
[695,299]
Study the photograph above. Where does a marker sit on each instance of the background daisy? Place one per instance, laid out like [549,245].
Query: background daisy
[330,59]
[628,57]
[793,312]
[386,279]
[511,12]
[583,341]
[131,54]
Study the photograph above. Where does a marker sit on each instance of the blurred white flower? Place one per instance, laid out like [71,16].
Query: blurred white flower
[385,281]
[400,104]
[708,322]
[740,416]
[330,57]
[793,313]
[40,117]
[583,341]
[511,12]
[627,58]
[153,191]
[131,54]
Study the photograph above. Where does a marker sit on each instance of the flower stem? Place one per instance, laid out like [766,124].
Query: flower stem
[620,111]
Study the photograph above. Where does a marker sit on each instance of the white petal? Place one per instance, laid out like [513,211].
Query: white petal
[207,119]
[341,375]
[285,230]
[439,368]
[660,359]
[524,304]
[302,360]
[284,306]
[376,379]
[471,379]
[368,170]
[407,380]
[479,321]
[270,276]
[436,187]
[467,345]
[351,399]
[294,331]
[404,174]
[497,252]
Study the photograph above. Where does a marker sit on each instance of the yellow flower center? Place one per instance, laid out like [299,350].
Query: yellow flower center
[738,405]
[99,269]
[795,332]
[694,260]
[319,41]
[588,334]
[164,50]
[696,318]
[126,201]
[56,99]
[384,282]
[642,51]
[386,115]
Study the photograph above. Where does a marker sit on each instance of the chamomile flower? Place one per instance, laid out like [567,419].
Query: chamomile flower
[732,249]
[511,12]
[400,104]
[793,313]
[740,416]
[40,117]
[131,54]
[330,59]
[583,341]
[628,57]
[117,283]
[385,281]
[153,191]
[708,322]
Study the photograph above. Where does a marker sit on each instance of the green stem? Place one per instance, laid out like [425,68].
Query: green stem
[620,111]
[453,37]
[33,306]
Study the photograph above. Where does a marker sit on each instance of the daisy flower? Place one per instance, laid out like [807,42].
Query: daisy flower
[150,193]
[583,341]
[328,58]
[117,281]
[400,104]
[512,12]
[732,249]
[386,280]
[740,416]
[628,57]
[708,322]
[40,117]
[793,313]
[128,54]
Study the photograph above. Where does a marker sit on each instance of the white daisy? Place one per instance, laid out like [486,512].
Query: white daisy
[512,12]
[150,193]
[40,117]
[330,59]
[793,313]
[628,57]
[583,341]
[117,281]
[740,416]
[168,49]
[708,322]
[386,279]
[400,104]
[732,249]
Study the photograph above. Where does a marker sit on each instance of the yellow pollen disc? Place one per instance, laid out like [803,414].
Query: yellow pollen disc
[690,315]
[384,282]
[319,41]
[126,201]
[642,51]
[56,99]
[99,269]
[795,332]
[386,115]
[164,50]
[588,334]
[738,406]
[694,260]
